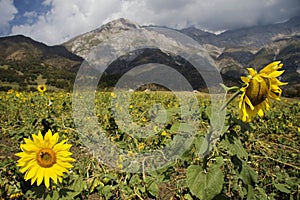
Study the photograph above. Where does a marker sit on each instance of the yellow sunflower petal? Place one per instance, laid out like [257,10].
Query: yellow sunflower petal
[58,170]
[28,141]
[274,96]
[40,175]
[25,161]
[245,79]
[40,136]
[62,147]
[29,147]
[61,168]
[47,178]
[54,140]
[274,74]
[53,175]
[271,67]
[31,172]
[65,165]
[267,104]
[48,136]
[63,154]
[251,113]
[27,166]
[275,81]
[21,154]
[243,113]
[260,112]
[33,179]
[241,103]
[247,100]
[38,139]
[252,72]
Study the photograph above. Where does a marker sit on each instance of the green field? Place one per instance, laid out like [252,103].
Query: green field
[257,160]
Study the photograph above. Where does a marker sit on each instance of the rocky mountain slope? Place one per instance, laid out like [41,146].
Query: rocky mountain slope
[233,51]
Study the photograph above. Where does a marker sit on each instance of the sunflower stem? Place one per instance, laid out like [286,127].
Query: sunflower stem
[227,89]
[205,161]
[230,100]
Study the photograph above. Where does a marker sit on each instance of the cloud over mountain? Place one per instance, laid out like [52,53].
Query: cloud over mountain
[7,12]
[66,19]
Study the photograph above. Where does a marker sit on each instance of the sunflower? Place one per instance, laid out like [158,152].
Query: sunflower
[259,89]
[41,88]
[141,145]
[44,158]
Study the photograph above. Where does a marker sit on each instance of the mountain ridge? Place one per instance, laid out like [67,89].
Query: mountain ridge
[262,34]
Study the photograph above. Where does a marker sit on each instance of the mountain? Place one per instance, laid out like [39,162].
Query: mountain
[233,51]
[83,44]
[253,37]
[24,63]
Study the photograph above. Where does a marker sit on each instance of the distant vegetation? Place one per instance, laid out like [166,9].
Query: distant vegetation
[28,75]
[25,63]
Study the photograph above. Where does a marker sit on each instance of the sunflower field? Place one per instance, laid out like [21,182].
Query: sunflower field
[255,160]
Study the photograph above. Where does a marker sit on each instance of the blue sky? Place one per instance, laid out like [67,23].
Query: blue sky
[28,10]
[56,21]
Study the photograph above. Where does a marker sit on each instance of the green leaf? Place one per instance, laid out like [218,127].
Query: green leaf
[153,189]
[208,112]
[244,126]
[205,185]
[141,188]
[244,171]
[234,145]
[106,191]
[52,196]
[188,197]
[78,185]
[282,188]
[161,116]
[175,127]
[204,147]
[250,195]
[182,127]
[198,141]
[261,194]
[96,182]
[135,179]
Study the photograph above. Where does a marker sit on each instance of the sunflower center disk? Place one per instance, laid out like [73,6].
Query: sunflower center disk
[46,158]
[257,90]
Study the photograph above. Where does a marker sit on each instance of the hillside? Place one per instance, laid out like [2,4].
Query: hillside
[24,63]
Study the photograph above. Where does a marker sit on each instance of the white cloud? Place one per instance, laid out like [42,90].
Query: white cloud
[31,16]
[218,14]
[69,18]
[7,13]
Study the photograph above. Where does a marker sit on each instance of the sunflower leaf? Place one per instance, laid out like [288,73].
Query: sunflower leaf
[206,185]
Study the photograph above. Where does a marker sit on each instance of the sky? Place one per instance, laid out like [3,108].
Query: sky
[56,21]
